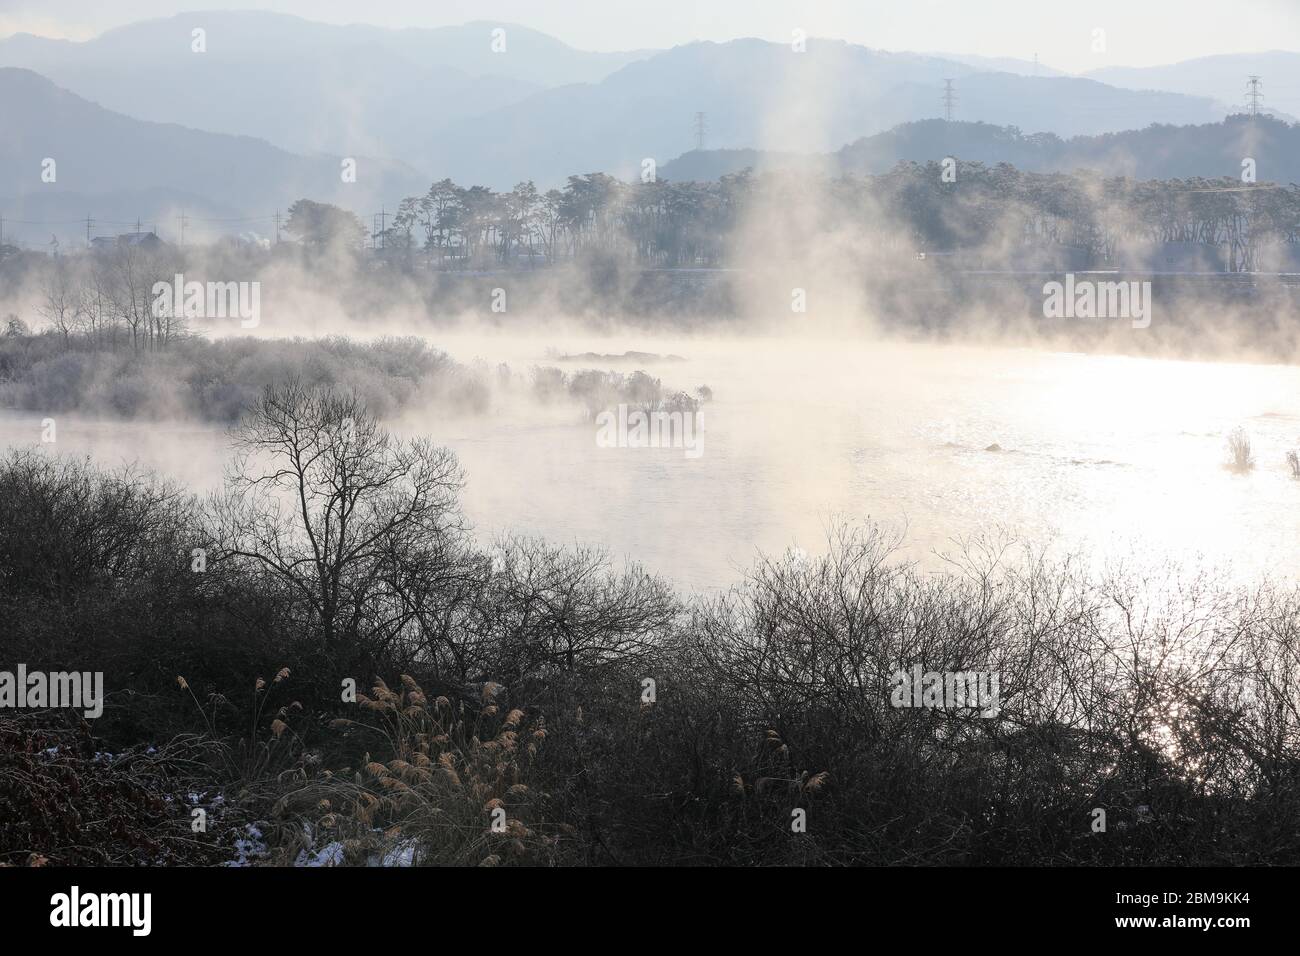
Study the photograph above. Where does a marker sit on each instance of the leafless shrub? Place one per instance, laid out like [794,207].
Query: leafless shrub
[1240,456]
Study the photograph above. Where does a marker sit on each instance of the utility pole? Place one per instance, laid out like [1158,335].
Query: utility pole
[1254,95]
[949,99]
[701,128]
[2,229]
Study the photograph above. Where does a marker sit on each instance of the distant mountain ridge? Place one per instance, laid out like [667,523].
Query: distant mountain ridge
[1222,77]
[306,86]
[756,94]
[1156,152]
[142,125]
[443,101]
[114,167]
[1003,64]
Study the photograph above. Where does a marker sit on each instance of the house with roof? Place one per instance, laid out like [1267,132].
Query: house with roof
[143,240]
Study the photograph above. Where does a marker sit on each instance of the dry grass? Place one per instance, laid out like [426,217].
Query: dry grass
[64,803]
[451,777]
[1240,456]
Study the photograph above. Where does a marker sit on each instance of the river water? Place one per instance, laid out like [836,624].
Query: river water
[1106,455]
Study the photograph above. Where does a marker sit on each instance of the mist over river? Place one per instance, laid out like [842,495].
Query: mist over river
[1111,456]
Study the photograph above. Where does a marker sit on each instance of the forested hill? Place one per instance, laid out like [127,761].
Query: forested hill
[1156,152]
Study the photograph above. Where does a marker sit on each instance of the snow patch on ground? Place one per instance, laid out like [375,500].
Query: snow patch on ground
[403,854]
[331,854]
[249,848]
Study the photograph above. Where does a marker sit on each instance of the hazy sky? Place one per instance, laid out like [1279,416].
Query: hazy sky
[1138,32]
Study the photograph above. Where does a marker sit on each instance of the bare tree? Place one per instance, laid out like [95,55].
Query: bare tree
[97,310]
[133,271]
[61,298]
[337,510]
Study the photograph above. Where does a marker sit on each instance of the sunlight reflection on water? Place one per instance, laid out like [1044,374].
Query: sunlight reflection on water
[1114,455]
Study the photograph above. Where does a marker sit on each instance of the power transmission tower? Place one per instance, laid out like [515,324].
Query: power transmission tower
[183,220]
[276,217]
[701,128]
[1254,95]
[89,222]
[949,99]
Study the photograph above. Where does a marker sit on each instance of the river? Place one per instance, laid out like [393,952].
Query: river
[1105,455]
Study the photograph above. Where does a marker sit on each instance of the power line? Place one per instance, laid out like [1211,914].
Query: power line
[235,219]
[1252,188]
[41,222]
[89,223]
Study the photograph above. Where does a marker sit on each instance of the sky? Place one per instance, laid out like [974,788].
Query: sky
[1060,32]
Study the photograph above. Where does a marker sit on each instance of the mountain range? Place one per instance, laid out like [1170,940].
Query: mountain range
[756,94]
[1156,152]
[1221,77]
[274,103]
[118,168]
[307,86]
